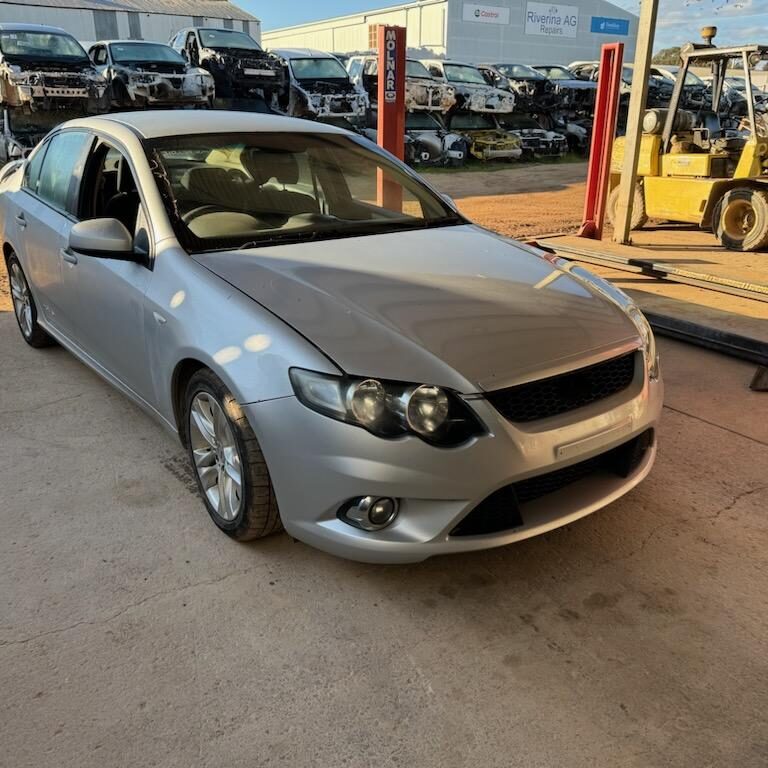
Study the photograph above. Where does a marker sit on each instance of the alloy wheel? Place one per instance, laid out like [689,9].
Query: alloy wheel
[216,457]
[22,299]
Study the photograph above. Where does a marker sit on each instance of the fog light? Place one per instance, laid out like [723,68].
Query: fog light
[371,513]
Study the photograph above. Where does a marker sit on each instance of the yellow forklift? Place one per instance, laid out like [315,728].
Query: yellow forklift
[699,168]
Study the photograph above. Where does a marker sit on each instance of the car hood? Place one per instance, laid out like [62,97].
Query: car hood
[457,306]
[576,84]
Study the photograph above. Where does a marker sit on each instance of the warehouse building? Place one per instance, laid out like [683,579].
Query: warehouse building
[509,30]
[156,20]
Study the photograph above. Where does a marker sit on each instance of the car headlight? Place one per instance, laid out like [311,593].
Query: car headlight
[617,296]
[649,342]
[389,409]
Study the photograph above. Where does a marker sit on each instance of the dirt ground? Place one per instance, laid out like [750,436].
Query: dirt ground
[522,201]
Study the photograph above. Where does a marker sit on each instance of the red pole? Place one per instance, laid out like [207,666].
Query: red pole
[391,106]
[603,133]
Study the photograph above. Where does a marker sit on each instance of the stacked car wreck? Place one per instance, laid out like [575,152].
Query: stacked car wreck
[142,75]
[241,69]
[45,77]
[319,88]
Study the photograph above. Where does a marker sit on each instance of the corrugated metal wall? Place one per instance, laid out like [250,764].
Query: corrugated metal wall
[82,23]
[440,28]
[425,23]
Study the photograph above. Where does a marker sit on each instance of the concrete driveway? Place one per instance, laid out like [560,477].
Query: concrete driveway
[132,633]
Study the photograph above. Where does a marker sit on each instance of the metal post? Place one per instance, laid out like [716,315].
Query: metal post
[645,32]
[603,133]
[391,106]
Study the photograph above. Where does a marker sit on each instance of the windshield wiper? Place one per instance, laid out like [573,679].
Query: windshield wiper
[326,233]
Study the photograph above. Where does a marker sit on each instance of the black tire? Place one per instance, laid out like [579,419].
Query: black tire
[258,515]
[740,219]
[120,96]
[34,335]
[639,217]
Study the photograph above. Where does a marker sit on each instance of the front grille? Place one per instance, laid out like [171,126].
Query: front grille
[503,509]
[566,392]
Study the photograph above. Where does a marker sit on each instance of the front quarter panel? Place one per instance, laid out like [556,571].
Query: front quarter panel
[193,314]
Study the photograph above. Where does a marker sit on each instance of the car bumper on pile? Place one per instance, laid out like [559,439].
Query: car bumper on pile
[518,480]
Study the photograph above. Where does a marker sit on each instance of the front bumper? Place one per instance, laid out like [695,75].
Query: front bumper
[349,105]
[170,90]
[317,464]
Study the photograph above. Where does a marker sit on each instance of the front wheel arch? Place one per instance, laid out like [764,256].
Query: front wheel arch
[183,372]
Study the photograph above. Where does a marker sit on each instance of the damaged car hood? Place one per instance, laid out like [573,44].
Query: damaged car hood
[472,312]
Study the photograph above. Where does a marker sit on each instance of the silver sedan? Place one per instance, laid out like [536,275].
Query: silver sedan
[341,352]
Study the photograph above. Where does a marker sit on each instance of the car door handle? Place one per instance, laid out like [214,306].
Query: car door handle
[68,255]
[21,221]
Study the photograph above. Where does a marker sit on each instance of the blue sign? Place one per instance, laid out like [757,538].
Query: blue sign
[604,26]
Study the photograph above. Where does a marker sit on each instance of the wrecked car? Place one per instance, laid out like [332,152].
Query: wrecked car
[694,94]
[734,97]
[142,74]
[319,87]
[572,93]
[23,130]
[427,141]
[45,68]
[487,140]
[659,88]
[240,67]
[472,92]
[532,89]
[422,91]
[536,141]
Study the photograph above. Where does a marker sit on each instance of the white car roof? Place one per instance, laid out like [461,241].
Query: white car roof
[302,53]
[447,61]
[13,27]
[154,124]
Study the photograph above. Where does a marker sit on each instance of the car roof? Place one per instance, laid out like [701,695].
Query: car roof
[124,41]
[13,27]
[300,53]
[154,124]
[447,61]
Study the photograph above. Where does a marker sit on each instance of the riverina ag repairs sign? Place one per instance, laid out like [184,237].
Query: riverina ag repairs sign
[551,20]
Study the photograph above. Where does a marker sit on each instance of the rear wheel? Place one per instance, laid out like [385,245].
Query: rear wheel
[229,466]
[24,306]
[740,219]
[639,216]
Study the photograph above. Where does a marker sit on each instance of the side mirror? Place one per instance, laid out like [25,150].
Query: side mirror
[105,239]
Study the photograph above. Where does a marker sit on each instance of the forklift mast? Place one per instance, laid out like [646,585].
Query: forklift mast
[718,60]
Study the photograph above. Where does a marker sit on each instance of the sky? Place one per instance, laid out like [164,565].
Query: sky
[738,21]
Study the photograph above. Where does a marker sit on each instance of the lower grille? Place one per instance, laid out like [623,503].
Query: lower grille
[502,511]
[566,392]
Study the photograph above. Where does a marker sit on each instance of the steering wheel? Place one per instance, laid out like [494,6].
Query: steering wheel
[237,175]
[314,218]
[203,209]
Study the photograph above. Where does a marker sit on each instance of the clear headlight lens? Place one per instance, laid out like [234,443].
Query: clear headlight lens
[427,409]
[388,408]
[649,342]
[366,401]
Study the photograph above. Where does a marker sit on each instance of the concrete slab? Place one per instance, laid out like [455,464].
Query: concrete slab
[133,633]
[692,252]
